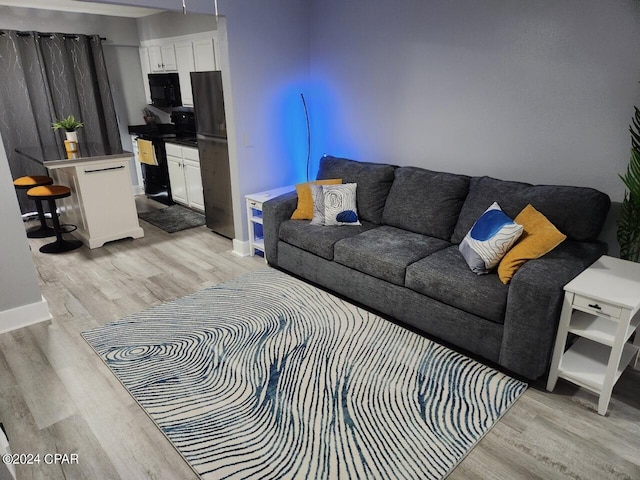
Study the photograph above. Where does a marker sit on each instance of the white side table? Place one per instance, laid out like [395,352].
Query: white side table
[254,216]
[601,307]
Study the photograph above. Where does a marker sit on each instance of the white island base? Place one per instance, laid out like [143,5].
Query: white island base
[101,205]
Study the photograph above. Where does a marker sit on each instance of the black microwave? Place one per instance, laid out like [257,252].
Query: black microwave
[165,90]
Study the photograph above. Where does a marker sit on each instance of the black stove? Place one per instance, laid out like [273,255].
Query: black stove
[156,177]
[181,131]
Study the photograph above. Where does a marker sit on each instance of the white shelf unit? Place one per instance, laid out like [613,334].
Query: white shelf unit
[254,203]
[602,307]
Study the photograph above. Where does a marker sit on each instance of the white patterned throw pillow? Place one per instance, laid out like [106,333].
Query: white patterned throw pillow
[490,238]
[340,204]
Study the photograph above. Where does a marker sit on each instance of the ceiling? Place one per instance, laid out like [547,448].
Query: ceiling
[82,7]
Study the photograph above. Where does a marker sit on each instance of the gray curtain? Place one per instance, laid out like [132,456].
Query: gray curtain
[47,76]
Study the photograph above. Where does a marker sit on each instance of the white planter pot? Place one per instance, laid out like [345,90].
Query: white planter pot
[73,136]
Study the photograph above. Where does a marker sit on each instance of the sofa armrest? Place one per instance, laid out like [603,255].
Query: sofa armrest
[534,304]
[274,212]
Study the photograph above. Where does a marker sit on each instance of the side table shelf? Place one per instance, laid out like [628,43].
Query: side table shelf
[585,363]
[254,203]
[601,306]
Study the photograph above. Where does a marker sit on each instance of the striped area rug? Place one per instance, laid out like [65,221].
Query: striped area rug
[268,377]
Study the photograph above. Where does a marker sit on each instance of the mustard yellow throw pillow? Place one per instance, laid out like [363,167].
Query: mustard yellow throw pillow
[540,236]
[305,201]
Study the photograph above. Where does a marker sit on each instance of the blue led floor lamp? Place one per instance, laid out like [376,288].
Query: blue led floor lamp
[306,114]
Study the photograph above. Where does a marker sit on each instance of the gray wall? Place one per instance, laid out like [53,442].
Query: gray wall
[117,30]
[268,54]
[120,52]
[18,281]
[538,91]
[171,24]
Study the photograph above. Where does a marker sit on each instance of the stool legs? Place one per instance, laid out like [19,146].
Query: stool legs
[60,245]
[43,230]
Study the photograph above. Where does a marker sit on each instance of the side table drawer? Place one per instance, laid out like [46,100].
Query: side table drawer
[597,308]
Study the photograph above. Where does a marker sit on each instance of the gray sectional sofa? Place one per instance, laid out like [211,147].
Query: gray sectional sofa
[404,262]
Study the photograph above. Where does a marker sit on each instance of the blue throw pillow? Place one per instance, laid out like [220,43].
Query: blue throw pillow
[490,238]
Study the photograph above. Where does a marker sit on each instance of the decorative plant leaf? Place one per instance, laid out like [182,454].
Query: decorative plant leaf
[629,223]
[69,124]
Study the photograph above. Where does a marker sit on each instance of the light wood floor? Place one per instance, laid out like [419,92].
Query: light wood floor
[56,396]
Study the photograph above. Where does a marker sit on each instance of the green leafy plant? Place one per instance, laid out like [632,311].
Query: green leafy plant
[629,222]
[69,124]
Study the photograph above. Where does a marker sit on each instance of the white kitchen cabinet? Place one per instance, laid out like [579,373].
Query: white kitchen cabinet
[205,54]
[101,204]
[193,178]
[162,58]
[186,64]
[146,70]
[136,163]
[169,58]
[184,176]
[177,180]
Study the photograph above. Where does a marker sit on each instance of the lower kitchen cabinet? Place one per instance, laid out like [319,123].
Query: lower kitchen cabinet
[184,176]
[101,205]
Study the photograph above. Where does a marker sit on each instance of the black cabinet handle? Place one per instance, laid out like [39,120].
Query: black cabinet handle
[595,305]
[104,169]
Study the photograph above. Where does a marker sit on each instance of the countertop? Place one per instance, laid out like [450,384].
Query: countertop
[185,142]
[49,156]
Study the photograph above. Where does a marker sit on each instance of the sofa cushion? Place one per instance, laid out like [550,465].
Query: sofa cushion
[385,252]
[425,202]
[318,239]
[445,276]
[374,181]
[579,212]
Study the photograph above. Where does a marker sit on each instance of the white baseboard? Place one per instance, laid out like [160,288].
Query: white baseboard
[24,316]
[138,190]
[241,249]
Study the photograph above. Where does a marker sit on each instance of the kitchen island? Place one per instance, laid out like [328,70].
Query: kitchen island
[101,205]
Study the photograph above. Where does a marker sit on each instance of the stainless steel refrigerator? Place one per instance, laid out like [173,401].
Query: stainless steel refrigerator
[211,128]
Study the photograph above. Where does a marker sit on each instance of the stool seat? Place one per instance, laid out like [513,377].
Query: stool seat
[30,181]
[49,192]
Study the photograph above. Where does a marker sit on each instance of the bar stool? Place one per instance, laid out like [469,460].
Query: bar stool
[31,181]
[51,193]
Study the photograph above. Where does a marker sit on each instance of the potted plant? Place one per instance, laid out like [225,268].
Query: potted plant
[70,126]
[629,223]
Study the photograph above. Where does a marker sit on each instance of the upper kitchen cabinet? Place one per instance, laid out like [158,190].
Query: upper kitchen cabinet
[184,54]
[146,70]
[205,54]
[186,65]
[163,58]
